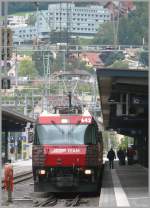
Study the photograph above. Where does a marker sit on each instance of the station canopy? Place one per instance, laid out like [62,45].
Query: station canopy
[115,82]
[14,121]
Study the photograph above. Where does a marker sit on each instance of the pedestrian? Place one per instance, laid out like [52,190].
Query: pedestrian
[121,156]
[130,154]
[135,156]
[111,156]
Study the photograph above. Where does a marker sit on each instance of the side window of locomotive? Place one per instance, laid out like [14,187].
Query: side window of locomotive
[90,135]
[36,138]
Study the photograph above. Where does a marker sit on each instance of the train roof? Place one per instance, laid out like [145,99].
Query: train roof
[48,118]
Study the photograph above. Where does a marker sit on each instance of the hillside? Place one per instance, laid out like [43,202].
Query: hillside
[24,7]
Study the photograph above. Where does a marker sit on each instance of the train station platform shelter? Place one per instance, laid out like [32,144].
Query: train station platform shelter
[124,103]
[12,121]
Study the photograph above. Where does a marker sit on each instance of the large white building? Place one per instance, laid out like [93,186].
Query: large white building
[77,20]
[17,20]
[82,21]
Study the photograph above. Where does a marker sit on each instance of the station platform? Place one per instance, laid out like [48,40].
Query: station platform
[20,166]
[124,186]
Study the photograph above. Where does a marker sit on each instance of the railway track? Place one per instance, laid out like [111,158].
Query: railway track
[54,200]
[20,177]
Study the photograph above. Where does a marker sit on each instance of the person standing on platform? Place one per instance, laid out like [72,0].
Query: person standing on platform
[130,154]
[121,155]
[111,156]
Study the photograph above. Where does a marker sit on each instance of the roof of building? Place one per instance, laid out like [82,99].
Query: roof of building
[93,58]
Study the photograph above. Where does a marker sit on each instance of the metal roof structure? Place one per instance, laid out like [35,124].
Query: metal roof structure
[14,121]
[114,81]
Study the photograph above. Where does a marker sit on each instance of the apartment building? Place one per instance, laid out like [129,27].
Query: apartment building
[77,20]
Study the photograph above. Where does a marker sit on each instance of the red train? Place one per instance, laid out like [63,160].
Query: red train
[67,153]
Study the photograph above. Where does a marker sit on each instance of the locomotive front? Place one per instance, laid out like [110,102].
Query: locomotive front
[67,154]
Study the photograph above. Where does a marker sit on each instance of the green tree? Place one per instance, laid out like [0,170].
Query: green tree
[134,27]
[108,57]
[38,58]
[104,35]
[27,69]
[70,64]
[119,64]
[27,6]
[124,142]
[131,31]
[60,37]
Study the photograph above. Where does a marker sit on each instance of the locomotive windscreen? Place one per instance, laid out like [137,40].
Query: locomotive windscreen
[65,134]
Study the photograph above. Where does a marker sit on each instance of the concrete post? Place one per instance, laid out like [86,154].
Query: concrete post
[149,110]
[0,96]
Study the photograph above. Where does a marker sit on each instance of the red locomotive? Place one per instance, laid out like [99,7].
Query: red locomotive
[67,153]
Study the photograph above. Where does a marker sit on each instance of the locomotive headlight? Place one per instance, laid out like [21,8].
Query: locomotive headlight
[64,120]
[42,172]
[88,172]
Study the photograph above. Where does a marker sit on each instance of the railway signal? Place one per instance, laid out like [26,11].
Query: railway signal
[5,83]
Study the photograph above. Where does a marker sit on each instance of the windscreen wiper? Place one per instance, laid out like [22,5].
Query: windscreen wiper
[73,128]
[62,131]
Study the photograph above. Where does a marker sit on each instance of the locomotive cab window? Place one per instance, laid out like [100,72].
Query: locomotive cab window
[65,134]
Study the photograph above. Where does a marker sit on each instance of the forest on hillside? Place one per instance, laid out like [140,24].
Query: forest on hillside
[28,6]
[25,7]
